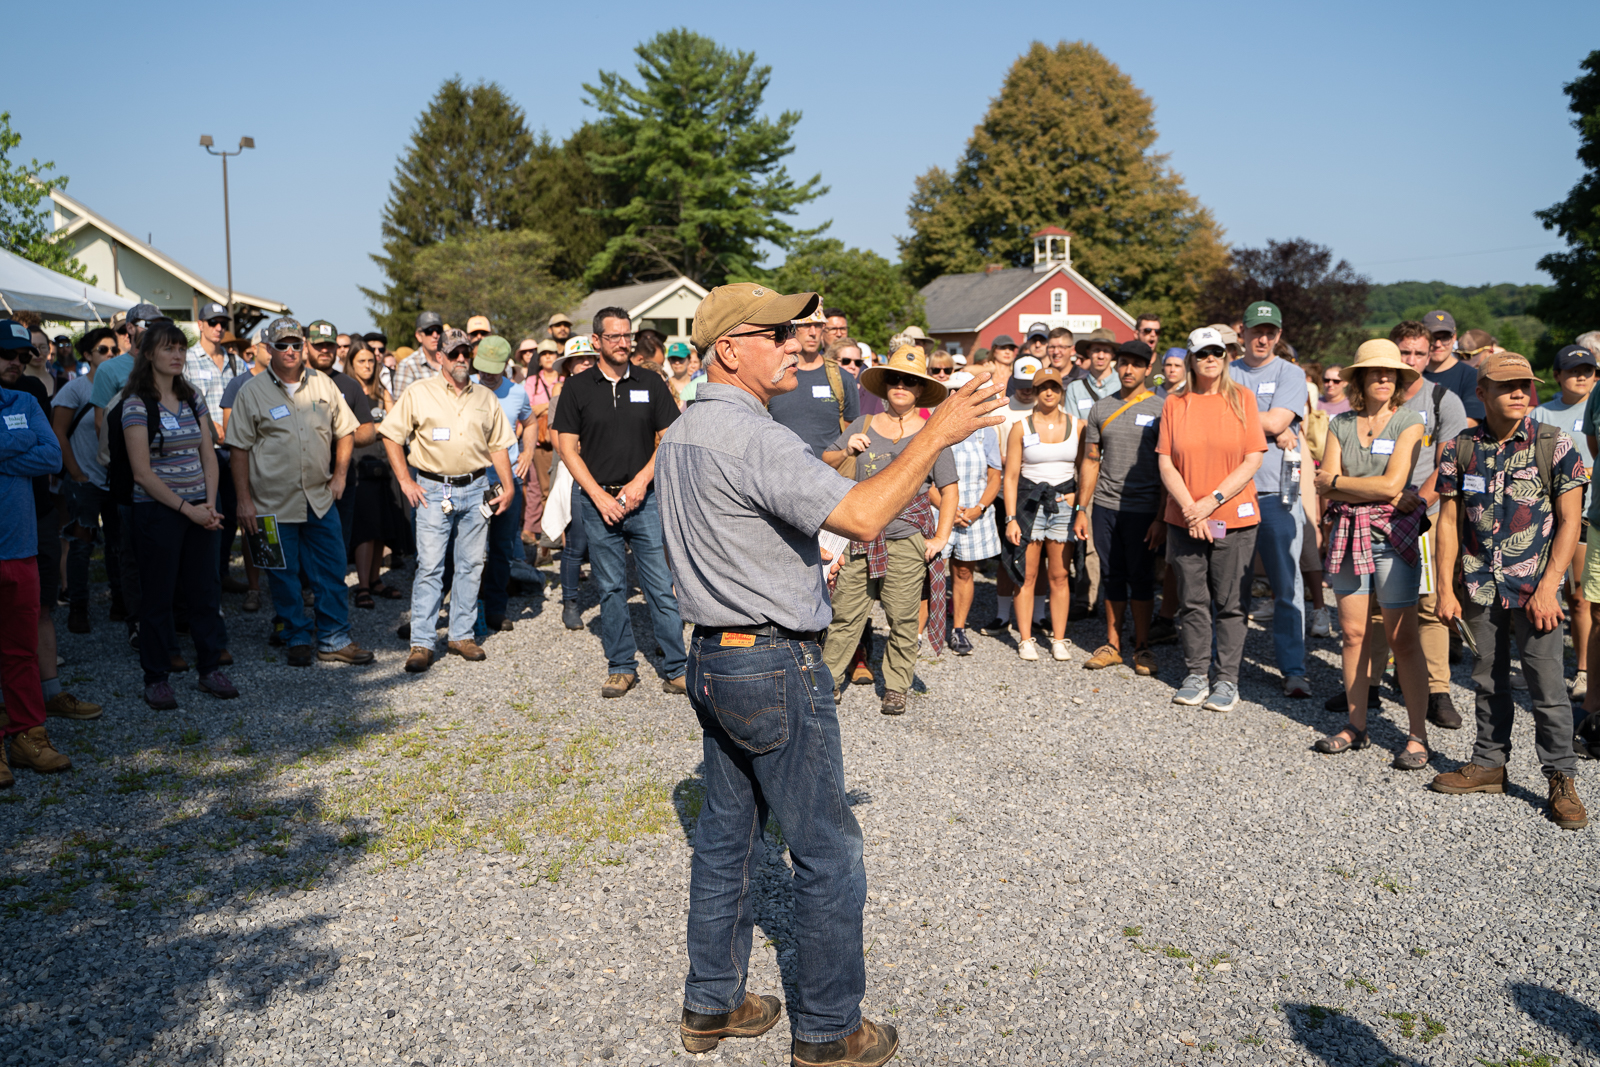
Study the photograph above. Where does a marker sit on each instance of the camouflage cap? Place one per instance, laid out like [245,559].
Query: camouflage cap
[281,330]
[321,332]
[454,339]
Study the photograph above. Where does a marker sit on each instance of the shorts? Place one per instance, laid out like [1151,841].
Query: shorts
[1057,527]
[1396,582]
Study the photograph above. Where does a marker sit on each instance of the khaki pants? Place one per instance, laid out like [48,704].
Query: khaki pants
[900,593]
[1434,635]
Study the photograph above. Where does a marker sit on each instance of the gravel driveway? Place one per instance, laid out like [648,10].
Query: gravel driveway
[488,864]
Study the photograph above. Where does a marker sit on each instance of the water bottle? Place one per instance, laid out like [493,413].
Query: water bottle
[1289,480]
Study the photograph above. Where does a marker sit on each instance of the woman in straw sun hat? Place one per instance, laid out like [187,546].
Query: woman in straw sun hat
[894,567]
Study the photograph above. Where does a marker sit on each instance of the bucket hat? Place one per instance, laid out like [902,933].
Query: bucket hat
[1378,354]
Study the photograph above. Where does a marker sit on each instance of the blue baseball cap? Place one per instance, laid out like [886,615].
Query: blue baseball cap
[1574,356]
[14,335]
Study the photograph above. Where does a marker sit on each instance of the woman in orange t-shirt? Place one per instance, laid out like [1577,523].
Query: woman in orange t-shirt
[1209,449]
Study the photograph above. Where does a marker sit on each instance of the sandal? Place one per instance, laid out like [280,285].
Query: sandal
[386,592]
[1407,760]
[1336,743]
[363,598]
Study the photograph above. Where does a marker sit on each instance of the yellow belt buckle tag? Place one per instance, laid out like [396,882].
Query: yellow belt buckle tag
[733,640]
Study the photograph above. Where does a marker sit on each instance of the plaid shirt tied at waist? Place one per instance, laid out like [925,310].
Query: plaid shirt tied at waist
[922,515]
[1354,525]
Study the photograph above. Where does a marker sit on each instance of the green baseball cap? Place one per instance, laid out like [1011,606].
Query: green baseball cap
[321,332]
[677,350]
[1263,312]
[492,354]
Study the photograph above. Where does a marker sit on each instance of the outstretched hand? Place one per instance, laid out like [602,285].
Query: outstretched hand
[967,410]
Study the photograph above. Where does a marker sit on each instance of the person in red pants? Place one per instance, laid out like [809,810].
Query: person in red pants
[28,448]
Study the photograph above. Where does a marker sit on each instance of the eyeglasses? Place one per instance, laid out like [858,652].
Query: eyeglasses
[782,333]
[286,346]
[617,338]
[893,380]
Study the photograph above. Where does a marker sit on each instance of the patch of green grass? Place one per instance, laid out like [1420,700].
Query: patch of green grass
[1252,1039]
[1133,931]
[1410,1021]
[11,881]
[133,781]
[1342,872]
[275,851]
[1173,952]
[1317,1014]
[1419,952]
[1351,983]
[1210,1046]
[191,736]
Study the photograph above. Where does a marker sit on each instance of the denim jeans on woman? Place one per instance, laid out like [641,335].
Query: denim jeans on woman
[771,744]
[315,549]
[434,530]
[640,530]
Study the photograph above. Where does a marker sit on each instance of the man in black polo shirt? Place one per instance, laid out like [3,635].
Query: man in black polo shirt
[606,427]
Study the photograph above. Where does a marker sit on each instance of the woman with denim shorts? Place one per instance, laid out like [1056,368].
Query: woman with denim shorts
[1040,493]
[1372,546]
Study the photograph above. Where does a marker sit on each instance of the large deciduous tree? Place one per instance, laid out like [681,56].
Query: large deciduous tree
[869,289]
[504,274]
[701,167]
[1572,306]
[25,224]
[1323,302]
[463,172]
[1069,142]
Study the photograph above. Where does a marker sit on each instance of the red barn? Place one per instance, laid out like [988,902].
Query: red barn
[973,309]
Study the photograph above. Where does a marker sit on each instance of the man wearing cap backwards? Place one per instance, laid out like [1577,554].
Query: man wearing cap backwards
[289,442]
[825,401]
[1281,397]
[424,362]
[559,329]
[489,359]
[1446,369]
[1507,516]
[742,501]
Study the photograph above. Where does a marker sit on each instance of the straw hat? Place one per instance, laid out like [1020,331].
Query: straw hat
[1380,353]
[907,359]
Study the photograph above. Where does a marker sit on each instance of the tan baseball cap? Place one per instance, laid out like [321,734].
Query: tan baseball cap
[728,306]
[1505,367]
[558,317]
[479,322]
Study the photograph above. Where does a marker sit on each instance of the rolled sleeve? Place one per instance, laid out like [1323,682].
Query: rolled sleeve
[398,424]
[784,479]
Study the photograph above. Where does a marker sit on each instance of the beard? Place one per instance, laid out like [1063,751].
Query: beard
[459,373]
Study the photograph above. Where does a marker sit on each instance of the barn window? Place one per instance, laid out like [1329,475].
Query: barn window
[1058,301]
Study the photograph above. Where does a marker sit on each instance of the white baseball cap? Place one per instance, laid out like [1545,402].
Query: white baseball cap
[1205,337]
[959,378]
[1025,368]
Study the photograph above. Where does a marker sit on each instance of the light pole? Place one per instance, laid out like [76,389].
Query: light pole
[227,233]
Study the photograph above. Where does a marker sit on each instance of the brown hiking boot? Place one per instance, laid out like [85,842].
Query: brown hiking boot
[1471,779]
[1144,663]
[6,778]
[1566,810]
[419,660]
[467,649]
[618,685]
[351,653]
[1104,656]
[32,749]
[678,686]
[872,1045]
[753,1018]
[66,706]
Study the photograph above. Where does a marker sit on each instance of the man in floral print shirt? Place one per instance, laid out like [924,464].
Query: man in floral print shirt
[1514,524]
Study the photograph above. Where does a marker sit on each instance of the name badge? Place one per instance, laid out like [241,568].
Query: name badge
[1029,439]
[1085,403]
[1383,447]
[639,396]
[1266,388]
[732,640]
[1577,425]
[1144,420]
[1474,483]
[822,392]
[1246,510]
[204,376]
[169,422]
[16,422]
[279,412]
[441,433]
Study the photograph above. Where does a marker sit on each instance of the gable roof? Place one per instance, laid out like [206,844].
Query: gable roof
[966,303]
[82,218]
[634,298]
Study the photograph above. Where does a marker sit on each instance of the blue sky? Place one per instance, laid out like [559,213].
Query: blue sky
[1416,139]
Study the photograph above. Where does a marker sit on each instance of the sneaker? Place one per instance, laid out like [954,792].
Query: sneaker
[1580,686]
[218,685]
[860,670]
[1321,622]
[159,696]
[1192,690]
[1296,687]
[1104,656]
[1566,810]
[1262,615]
[351,653]
[1442,711]
[678,687]
[571,617]
[252,600]
[959,643]
[66,706]
[996,625]
[1472,778]
[32,749]
[1163,631]
[1144,663]
[618,685]
[78,620]
[1060,651]
[1027,649]
[1223,697]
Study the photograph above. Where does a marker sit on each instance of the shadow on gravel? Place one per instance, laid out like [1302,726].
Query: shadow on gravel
[1575,1021]
[1339,1040]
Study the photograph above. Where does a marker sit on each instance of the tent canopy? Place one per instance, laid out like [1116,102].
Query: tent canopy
[26,286]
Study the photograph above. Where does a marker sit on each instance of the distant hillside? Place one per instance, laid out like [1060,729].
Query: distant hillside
[1500,309]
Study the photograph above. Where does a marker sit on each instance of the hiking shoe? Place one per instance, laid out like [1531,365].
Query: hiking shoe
[894,702]
[1442,711]
[1104,656]
[218,685]
[32,749]
[178,664]
[301,655]
[1473,778]
[1163,631]
[7,780]
[860,670]
[1224,695]
[757,1015]
[1144,663]
[467,650]
[252,600]
[78,620]
[678,686]
[1192,690]
[1027,649]
[1321,622]
[351,653]
[571,617]
[159,696]
[618,685]
[1296,687]
[1566,810]
[1577,690]
[1060,651]
[419,660]
[872,1045]
[276,638]
[499,623]
[959,643]
[66,706]
[224,658]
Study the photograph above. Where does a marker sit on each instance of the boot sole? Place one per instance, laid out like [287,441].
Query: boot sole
[1570,824]
[1456,791]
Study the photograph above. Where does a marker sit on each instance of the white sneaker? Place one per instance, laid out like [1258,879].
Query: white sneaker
[1321,623]
[1580,685]
[1028,649]
[1059,650]
[1262,614]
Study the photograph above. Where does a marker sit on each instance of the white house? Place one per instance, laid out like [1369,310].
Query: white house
[667,305]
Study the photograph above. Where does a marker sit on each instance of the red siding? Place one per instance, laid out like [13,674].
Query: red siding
[1035,307]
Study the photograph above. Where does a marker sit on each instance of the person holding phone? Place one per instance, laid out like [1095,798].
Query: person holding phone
[1208,450]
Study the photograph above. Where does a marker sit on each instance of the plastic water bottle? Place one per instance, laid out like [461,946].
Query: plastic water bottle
[1289,481]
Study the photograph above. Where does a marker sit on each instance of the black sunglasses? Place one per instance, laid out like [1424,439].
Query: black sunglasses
[432,330]
[851,362]
[104,350]
[460,353]
[781,333]
[941,370]
[216,322]
[892,379]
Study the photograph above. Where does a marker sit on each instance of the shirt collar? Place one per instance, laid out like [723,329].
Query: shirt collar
[732,394]
[305,376]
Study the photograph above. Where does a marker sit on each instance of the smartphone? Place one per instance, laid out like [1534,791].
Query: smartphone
[1219,529]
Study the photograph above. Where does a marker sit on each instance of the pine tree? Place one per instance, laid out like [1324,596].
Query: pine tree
[1069,142]
[1569,308]
[24,224]
[464,172]
[566,198]
[701,167]
[870,290]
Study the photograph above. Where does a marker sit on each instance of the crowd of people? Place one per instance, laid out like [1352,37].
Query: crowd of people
[1173,494]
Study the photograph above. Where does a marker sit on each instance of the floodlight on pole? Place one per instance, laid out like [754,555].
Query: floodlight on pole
[227,230]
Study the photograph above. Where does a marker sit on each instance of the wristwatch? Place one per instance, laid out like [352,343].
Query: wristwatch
[1216,494]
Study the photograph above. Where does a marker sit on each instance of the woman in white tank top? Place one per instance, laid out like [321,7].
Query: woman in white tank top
[1040,491]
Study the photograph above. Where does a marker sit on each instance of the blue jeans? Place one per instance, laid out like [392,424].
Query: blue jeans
[314,548]
[1279,547]
[434,529]
[574,550]
[505,537]
[771,742]
[640,530]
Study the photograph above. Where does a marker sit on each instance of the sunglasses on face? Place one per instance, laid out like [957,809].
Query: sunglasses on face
[432,331]
[460,353]
[1334,380]
[781,333]
[216,322]
[1209,353]
[677,359]
[286,346]
[104,350]
[893,380]
[851,362]
[942,371]
[478,335]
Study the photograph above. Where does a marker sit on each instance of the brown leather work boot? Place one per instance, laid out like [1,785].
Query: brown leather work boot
[419,660]
[872,1045]
[66,706]
[32,749]
[618,685]
[1566,810]
[1104,656]
[7,780]
[467,650]
[753,1018]
[1471,779]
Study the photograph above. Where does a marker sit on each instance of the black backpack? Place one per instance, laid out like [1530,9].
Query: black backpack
[119,473]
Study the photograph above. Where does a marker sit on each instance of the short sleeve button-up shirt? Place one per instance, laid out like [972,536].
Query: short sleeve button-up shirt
[290,437]
[414,368]
[451,433]
[202,372]
[1510,519]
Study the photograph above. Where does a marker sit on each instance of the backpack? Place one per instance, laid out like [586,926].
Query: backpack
[1544,452]
[119,472]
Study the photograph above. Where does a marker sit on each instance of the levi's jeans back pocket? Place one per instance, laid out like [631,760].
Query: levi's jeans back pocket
[750,708]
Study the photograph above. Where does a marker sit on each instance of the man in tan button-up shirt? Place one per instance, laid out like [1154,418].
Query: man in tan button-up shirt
[290,427]
[456,431]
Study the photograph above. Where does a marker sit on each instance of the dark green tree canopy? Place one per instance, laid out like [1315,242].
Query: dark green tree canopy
[24,223]
[873,292]
[504,274]
[1572,306]
[702,168]
[1323,302]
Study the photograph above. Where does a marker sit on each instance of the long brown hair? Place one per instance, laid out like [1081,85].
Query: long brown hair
[142,378]
[373,387]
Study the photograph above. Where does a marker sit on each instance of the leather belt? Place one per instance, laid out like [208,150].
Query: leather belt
[770,629]
[456,480]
